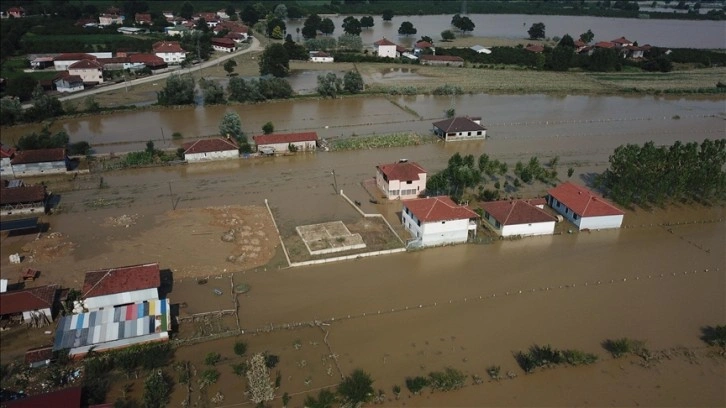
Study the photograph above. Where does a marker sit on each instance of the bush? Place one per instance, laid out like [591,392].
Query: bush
[449,379]
[271,360]
[714,335]
[577,357]
[619,347]
[416,384]
[356,388]
[240,348]
[177,136]
[212,358]
[156,390]
[240,369]
[208,377]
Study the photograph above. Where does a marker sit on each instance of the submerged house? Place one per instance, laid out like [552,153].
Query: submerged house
[437,221]
[41,161]
[460,128]
[583,208]
[281,142]
[519,217]
[120,307]
[210,149]
[401,180]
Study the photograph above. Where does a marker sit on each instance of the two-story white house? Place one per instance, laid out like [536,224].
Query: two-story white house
[170,51]
[401,180]
[583,208]
[437,221]
[90,71]
[386,48]
[519,217]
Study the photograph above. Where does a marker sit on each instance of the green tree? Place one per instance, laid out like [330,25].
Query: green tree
[276,22]
[464,24]
[353,82]
[367,22]
[327,26]
[240,348]
[275,61]
[268,128]
[229,66]
[447,35]
[21,86]
[43,140]
[276,33]
[249,15]
[350,42]
[157,388]
[309,32]
[311,26]
[351,25]
[561,58]
[407,28]
[387,15]
[604,60]
[329,85]
[587,37]
[213,92]
[356,388]
[325,399]
[179,90]
[44,106]
[11,111]
[536,31]
[566,41]
[231,125]
[186,11]
[280,11]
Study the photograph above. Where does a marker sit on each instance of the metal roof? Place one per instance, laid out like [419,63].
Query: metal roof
[21,224]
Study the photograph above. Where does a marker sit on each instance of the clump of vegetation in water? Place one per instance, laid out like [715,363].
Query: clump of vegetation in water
[546,356]
[714,335]
[382,141]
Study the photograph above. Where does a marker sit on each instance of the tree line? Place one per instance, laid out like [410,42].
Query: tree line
[655,175]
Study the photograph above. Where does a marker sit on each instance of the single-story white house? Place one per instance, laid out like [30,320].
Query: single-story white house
[320,56]
[401,180]
[41,161]
[17,198]
[445,60]
[480,49]
[386,48]
[210,149]
[170,51]
[460,128]
[29,305]
[69,83]
[6,155]
[583,208]
[224,44]
[437,221]
[281,142]
[519,217]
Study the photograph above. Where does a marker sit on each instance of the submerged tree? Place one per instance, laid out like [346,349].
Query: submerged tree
[231,125]
[536,31]
[179,90]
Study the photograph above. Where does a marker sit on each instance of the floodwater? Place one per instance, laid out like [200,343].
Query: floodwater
[506,116]
[662,33]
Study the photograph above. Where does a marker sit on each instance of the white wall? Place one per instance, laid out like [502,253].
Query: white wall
[121,298]
[27,316]
[437,233]
[604,222]
[171,57]
[39,168]
[321,59]
[88,75]
[283,147]
[226,154]
[222,49]
[387,51]
[538,228]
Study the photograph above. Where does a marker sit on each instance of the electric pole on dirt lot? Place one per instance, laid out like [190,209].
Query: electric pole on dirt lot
[335,181]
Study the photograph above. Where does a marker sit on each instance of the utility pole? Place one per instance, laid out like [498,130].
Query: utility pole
[162,135]
[171,196]
[335,181]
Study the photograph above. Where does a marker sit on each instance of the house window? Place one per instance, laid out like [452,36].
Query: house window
[409,182]
[497,224]
[418,222]
[443,222]
[574,215]
[478,133]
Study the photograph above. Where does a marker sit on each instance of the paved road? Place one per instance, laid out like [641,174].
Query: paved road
[254,46]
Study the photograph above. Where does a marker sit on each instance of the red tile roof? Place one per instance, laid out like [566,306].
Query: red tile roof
[86,64]
[403,171]
[424,44]
[38,354]
[516,212]
[39,156]
[7,152]
[383,41]
[604,44]
[224,42]
[446,58]
[148,59]
[580,44]
[459,124]
[621,41]
[320,54]
[434,209]
[119,280]
[71,79]
[74,56]
[209,145]
[534,48]
[142,18]
[583,201]
[26,300]
[167,47]
[285,138]
[66,398]
[23,194]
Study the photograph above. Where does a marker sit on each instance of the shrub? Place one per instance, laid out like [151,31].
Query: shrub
[240,369]
[240,348]
[416,384]
[177,136]
[714,335]
[212,358]
[577,357]
[356,388]
[618,347]
[209,376]
[494,372]
[449,379]
[271,360]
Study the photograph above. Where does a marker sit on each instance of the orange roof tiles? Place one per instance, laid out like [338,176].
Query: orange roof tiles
[403,171]
[18,301]
[583,201]
[516,212]
[209,145]
[441,208]
[123,279]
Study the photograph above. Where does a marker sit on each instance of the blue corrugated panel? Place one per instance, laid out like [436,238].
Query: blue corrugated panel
[117,314]
[79,324]
[121,330]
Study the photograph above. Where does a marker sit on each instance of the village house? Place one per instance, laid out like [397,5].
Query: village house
[437,221]
[212,19]
[210,149]
[18,198]
[63,61]
[120,307]
[151,61]
[170,51]
[281,142]
[460,128]
[480,49]
[132,30]
[622,42]
[111,16]
[34,306]
[320,56]
[534,48]
[224,44]
[519,217]
[176,31]
[387,49]
[423,47]
[583,208]
[90,71]
[446,60]
[41,161]
[70,397]
[143,18]
[16,12]
[401,180]
[41,62]
[6,155]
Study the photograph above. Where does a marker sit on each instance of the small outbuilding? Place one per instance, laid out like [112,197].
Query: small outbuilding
[67,83]
[401,180]
[17,198]
[224,44]
[285,142]
[519,217]
[447,60]
[40,161]
[210,149]
[437,221]
[320,56]
[460,128]
[34,306]
[584,208]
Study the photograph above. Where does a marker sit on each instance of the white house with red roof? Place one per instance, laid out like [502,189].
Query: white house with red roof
[66,83]
[224,44]
[122,285]
[16,12]
[90,71]
[63,61]
[583,208]
[401,180]
[519,217]
[281,142]
[320,56]
[460,128]
[210,149]
[30,305]
[170,51]
[386,48]
[40,161]
[437,221]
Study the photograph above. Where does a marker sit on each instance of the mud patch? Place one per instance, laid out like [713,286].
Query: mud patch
[48,247]
[124,221]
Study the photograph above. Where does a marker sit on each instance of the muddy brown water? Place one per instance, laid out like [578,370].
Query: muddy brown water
[662,33]
[520,117]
